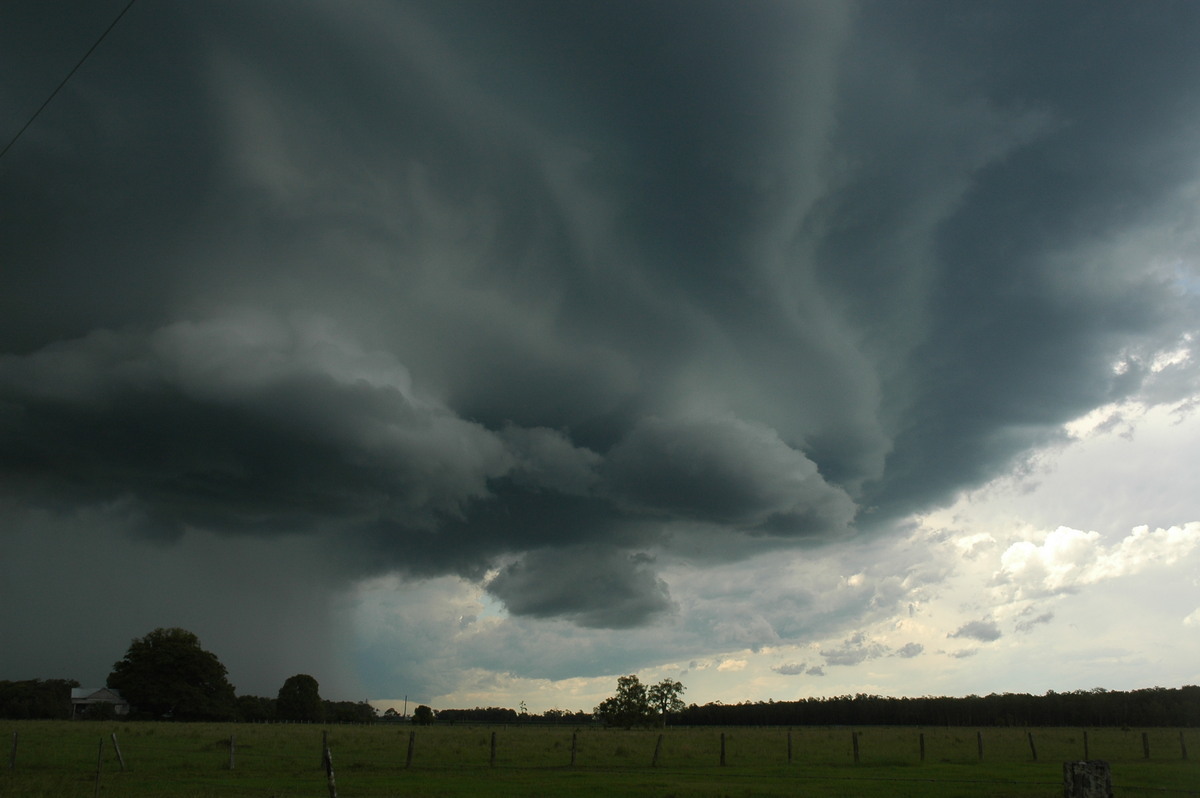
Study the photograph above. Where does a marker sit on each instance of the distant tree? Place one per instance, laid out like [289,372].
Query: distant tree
[391,714]
[478,715]
[255,709]
[350,712]
[664,698]
[166,674]
[300,699]
[36,698]
[422,716]
[629,707]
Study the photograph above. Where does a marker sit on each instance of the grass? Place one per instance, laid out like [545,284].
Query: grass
[276,761]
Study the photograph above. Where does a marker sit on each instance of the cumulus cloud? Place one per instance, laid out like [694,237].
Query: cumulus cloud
[1069,558]
[909,650]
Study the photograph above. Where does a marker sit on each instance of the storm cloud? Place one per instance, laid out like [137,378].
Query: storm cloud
[547,296]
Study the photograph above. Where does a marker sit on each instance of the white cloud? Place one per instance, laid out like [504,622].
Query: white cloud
[1068,559]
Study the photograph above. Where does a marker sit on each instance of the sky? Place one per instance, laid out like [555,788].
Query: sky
[481,352]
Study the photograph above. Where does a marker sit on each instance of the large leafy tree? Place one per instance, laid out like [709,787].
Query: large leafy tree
[166,674]
[300,699]
[664,698]
[629,707]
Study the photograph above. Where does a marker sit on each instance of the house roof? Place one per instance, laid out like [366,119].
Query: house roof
[95,694]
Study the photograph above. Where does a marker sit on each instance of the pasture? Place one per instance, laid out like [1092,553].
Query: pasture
[67,759]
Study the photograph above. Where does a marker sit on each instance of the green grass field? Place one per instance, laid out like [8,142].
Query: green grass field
[60,759]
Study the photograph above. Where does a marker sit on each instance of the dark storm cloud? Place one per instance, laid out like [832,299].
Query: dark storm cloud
[240,424]
[791,669]
[1027,623]
[985,631]
[535,293]
[726,471]
[595,587]
[854,650]
[799,668]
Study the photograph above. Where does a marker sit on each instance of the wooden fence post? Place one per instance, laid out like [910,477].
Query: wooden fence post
[1182,746]
[412,739]
[1146,745]
[574,735]
[99,762]
[854,741]
[979,739]
[117,748]
[232,746]
[657,749]
[922,746]
[492,760]
[329,774]
[722,749]
[12,757]
[1032,747]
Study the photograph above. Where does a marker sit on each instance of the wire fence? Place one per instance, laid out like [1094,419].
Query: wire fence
[1145,762]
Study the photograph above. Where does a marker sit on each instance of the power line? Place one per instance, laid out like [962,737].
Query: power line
[58,88]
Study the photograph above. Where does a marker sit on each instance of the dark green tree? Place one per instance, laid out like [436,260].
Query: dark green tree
[36,698]
[629,707]
[254,708]
[664,698]
[422,715]
[300,699]
[166,674]
[349,712]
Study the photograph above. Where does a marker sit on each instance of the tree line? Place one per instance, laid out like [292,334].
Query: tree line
[167,675]
[1155,706]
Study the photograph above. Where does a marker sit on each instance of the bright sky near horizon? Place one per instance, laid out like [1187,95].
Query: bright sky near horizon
[481,352]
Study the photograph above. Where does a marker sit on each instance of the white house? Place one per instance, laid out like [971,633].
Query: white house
[84,697]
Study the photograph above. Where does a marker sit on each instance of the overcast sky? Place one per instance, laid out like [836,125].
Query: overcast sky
[484,351]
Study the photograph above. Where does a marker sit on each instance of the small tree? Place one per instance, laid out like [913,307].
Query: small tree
[422,716]
[664,698]
[629,707]
[300,699]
